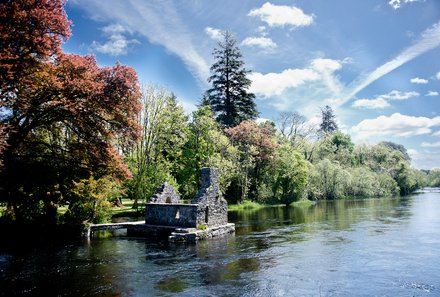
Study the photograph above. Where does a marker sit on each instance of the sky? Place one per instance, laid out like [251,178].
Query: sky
[375,62]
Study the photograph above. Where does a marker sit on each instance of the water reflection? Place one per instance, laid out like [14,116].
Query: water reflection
[375,247]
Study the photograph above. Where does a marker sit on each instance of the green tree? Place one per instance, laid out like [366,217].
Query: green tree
[228,97]
[327,180]
[328,122]
[155,158]
[90,200]
[207,146]
[290,176]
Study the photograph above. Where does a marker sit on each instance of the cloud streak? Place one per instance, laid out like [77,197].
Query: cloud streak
[158,21]
[429,40]
[381,101]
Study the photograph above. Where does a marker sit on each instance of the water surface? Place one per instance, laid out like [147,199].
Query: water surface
[374,247]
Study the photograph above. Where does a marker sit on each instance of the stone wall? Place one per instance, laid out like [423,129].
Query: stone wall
[165,194]
[208,207]
[212,208]
[167,214]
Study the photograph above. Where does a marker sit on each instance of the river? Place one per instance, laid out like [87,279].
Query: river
[372,247]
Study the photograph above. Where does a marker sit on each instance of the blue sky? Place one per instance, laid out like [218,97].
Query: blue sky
[376,62]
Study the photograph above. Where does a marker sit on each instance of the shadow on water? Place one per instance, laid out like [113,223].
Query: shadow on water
[335,215]
[373,247]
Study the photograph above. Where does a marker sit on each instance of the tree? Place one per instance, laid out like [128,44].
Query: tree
[63,113]
[294,128]
[207,146]
[256,145]
[290,176]
[31,32]
[397,147]
[154,158]
[228,97]
[328,124]
[327,180]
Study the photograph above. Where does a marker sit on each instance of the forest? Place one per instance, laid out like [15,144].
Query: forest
[77,135]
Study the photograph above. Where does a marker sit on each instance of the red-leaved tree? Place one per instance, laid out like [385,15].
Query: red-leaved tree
[257,144]
[61,115]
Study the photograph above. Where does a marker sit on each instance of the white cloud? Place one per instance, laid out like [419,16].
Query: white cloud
[117,44]
[261,28]
[371,103]
[271,84]
[262,120]
[436,133]
[293,88]
[326,65]
[381,101]
[215,34]
[396,125]
[432,93]
[396,4]
[430,144]
[397,95]
[418,80]
[158,21]
[437,76]
[429,40]
[262,42]
[282,15]
[425,159]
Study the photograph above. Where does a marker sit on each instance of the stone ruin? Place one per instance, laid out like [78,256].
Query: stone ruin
[207,209]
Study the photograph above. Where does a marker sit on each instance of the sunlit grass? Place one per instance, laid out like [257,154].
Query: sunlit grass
[245,204]
[303,203]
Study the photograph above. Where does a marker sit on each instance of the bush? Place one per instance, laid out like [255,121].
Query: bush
[90,200]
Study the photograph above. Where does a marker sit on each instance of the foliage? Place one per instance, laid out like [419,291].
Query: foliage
[207,146]
[31,32]
[256,145]
[290,175]
[327,181]
[328,122]
[154,158]
[303,203]
[245,204]
[433,178]
[366,183]
[228,97]
[396,147]
[90,200]
[62,114]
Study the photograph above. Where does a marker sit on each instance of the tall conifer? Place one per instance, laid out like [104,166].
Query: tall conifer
[228,97]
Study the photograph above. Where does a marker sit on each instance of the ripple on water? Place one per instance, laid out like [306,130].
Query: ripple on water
[428,288]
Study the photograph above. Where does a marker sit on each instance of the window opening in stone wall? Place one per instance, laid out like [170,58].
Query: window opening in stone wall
[168,200]
[177,214]
[206,215]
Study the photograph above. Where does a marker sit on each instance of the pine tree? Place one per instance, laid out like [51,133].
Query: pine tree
[228,97]
[328,124]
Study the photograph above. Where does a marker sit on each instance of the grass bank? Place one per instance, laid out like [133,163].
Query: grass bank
[245,204]
[303,203]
